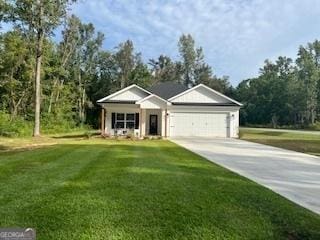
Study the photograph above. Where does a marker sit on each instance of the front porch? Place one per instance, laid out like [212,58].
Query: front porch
[124,120]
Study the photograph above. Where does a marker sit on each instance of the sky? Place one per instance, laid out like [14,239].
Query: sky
[236,35]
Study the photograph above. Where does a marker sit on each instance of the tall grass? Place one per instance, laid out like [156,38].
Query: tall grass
[19,127]
[13,127]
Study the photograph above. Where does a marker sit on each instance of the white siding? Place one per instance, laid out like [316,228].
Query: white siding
[153,103]
[234,124]
[200,95]
[133,94]
[163,123]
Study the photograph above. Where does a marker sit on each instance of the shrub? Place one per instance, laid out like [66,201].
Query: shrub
[18,126]
[315,127]
[88,134]
[13,127]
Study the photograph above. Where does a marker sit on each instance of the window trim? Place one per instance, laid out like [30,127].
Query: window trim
[125,121]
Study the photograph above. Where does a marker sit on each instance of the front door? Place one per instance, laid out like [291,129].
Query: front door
[153,125]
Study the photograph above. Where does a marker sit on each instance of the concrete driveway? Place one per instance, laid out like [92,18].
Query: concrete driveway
[293,175]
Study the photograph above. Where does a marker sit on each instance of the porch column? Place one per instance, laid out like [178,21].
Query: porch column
[102,121]
[143,122]
[163,123]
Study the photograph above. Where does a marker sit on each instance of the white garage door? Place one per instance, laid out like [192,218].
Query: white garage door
[198,124]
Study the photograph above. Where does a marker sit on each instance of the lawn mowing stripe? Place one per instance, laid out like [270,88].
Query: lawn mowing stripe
[149,190]
[25,162]
[42,179]
[143,190]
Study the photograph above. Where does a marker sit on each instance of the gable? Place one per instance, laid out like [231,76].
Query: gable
[200,95]
[132,94]
[129,94]
[152,102]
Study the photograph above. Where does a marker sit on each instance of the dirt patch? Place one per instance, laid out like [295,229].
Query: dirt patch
[4,148]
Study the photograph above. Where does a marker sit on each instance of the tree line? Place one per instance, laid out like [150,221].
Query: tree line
[57,84]
[286,92]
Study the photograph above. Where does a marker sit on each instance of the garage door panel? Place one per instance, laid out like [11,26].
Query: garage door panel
[199,124]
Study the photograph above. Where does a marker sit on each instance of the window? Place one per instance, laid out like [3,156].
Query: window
[119,124]
[130,120]
[120,116]
[120,120]
[130,117]
[124,120]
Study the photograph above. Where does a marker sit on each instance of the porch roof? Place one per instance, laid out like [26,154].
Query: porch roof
[152,102]
[119,101]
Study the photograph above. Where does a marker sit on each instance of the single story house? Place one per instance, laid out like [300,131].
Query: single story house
[169,110]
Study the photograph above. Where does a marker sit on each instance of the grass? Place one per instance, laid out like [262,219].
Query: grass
[105,189]
[28,143]
[301,142]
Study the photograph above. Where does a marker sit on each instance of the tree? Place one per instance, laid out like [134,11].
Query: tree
[221,84]
[140,74]
[194,68]
[64,54]
[105,78]
[86,67]
[125,61]
[3,12]
[202,71]
[83,44]
[188,54]
[308,63]
[269,99]
[130,67]
[15,71]
[40,18]
[164,69]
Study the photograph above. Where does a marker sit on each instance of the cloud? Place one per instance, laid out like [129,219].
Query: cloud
[237,36]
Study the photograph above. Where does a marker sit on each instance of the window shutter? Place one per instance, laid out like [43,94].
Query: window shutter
[136,124]
[113,120]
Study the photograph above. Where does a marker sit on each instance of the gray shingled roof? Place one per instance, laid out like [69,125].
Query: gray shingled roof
[167,90]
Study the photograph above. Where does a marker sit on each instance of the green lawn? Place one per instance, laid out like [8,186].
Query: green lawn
[104,189]
[301,142]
